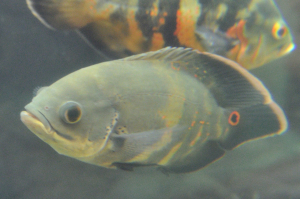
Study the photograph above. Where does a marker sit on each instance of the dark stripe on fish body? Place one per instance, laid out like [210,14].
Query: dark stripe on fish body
[204,5]
[143,17]
[170,7]
[119,16]
[144,20]
[230,17]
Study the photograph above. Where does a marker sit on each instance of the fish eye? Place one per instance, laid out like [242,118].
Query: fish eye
[279,31]
[70,112]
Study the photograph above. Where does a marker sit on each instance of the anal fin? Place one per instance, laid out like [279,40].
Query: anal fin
[199,158]
[128,166]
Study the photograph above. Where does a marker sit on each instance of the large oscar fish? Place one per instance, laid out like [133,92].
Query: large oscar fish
[177,109]
[250,32]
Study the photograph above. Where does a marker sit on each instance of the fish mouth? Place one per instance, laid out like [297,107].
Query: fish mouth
[38,123]
[288,49]
[35,121]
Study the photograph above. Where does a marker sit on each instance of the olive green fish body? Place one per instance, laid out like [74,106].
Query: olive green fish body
[176,109]
[157,98]
[251,32]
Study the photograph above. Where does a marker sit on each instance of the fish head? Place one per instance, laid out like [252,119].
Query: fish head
[70,117]
[263,36]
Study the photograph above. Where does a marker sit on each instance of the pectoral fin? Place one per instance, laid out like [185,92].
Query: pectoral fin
[215,41]
[145,148]
[67,14]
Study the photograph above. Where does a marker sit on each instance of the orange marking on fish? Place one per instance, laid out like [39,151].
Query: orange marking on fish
[193,123]
[192,143]
[197,11]
[161,21]
[154,11]
[204,139]
[257,49]
[186,20]
[226,130]
[202,122]
[92,6]
[199,134]
[173,67]
[171,153]
[157,146]
[163,117]
[234,118]
[135,37]
[196,75]
[178,13]
[157,41]
[237,32]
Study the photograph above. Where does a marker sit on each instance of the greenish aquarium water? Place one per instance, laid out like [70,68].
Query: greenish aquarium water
[171,124]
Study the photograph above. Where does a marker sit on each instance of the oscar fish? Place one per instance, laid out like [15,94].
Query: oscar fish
[250,32]
[175,109]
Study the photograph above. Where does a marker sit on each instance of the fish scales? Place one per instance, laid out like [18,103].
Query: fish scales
[175,109]
[173,100]
[251,32]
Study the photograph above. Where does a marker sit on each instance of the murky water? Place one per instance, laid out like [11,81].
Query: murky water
[32,55]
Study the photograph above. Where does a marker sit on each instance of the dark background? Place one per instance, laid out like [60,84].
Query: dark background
[32,55]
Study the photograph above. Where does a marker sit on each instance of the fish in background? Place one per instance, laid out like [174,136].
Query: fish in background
[250,32]
[115,115]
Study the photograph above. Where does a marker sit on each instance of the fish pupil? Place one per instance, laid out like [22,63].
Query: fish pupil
[281,32]
[234,118]
[73,114]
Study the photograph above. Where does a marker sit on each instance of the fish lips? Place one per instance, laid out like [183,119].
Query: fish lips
[288,49]
[36,122]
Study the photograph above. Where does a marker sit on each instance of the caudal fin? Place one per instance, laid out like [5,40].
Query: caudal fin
[253,122]
[63,14]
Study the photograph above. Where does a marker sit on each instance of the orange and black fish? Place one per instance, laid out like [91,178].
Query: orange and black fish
[250,32]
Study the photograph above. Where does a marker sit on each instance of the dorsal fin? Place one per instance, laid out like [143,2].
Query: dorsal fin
[229,83]
[167,54]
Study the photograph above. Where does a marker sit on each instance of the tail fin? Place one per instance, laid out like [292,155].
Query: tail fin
[63,14]
[253,122]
